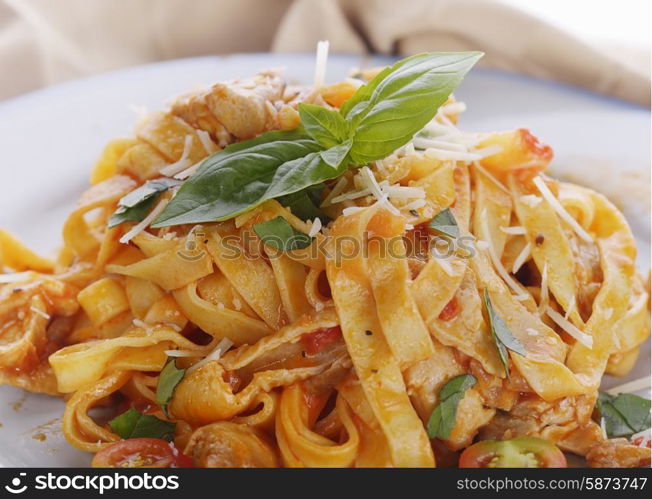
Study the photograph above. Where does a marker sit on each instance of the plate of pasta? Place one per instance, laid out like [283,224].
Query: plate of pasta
[331,264]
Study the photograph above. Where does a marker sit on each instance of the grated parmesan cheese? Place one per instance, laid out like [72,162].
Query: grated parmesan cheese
[491,178]
[320,62]
[17,276]
[444,154]
[511,282]
[567,326]
[561,211]
[40,312]
[315,227]
[571,307]
[414,205]
[351,210]
[522,257]
[145,325]
[206,141]
[515,230]
[141,324]
[369,181]
[142,225]
[181,353]
[350,196]
[215,354]
[182,163]
[381,192]
[184,174]
[424,143]
[531,331]
[404,192]
[603,428]
[531,200]
[631,386]
[337,190]
[543,297]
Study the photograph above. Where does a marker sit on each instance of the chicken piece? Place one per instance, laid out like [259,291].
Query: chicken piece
[533,416]
[229,445]
[26,309]
[493,390]
[240,108]
[618,453]
[426,378]
[471,415]
[192,108]
[424,381]
[588,273]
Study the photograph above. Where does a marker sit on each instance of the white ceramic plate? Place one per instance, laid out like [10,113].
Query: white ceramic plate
[50,139]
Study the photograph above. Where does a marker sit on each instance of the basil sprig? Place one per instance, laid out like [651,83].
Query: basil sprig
[380,117]
[442,418]
[134,424]
[445,224]
[502,335]
[624,415]
[168,380]
[137,204]
[277,233]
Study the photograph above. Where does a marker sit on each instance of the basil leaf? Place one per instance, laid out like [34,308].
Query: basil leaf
[245,174]
[385,113]
[133,214]
[635,409]
[277,233]
[501,334]
[444,223]
[137,204]
[168,380]
[326,126]
[625,414]
[133,424]
[442,418]
[336,155]
[305,204]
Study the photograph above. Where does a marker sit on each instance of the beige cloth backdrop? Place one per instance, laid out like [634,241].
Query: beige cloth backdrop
[48,41]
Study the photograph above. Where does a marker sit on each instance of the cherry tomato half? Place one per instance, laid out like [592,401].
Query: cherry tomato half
[522,452]
[141,453]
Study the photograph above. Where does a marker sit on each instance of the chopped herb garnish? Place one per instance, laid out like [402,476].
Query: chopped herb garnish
[168,380]
[445,224]
[134,424]
[624,414]
[442,419]
[502,335]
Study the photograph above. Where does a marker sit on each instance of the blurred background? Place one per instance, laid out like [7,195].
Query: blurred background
[602,45]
